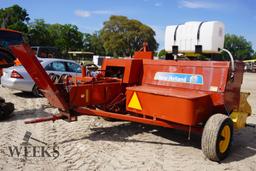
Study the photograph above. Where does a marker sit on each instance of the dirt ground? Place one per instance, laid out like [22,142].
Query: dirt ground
[95,144]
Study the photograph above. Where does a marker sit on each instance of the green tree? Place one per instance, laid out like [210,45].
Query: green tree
[162,54]
[66,37]
[87,42]
[56,32]
[240,48]
[254,55]
[39,34]
[15,18]
[122,36]
[94,43]
[70,38]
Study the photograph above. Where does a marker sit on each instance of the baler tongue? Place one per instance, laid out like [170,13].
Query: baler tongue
[45,119]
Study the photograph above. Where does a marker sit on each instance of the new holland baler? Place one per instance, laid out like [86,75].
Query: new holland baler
[194,96]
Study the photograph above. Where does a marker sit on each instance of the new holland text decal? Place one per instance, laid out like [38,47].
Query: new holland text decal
[180,78]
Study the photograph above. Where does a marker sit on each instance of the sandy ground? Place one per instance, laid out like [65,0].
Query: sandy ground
[94,144]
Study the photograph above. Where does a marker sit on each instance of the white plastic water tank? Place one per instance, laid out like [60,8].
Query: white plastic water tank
[195,36]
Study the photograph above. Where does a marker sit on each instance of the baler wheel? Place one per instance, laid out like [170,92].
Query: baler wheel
[217,137]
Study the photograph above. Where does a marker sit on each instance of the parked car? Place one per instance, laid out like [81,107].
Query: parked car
[17,77]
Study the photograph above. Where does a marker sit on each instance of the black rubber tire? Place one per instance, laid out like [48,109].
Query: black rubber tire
[212,136]
[36,92]
[6,110]
[2,100]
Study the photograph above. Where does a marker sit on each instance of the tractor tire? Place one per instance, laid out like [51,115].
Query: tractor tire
[217,137]
[6,110]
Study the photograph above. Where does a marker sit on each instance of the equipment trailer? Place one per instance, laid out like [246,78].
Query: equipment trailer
[194,96]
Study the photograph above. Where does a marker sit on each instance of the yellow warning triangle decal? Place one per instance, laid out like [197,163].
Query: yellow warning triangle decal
[134,102]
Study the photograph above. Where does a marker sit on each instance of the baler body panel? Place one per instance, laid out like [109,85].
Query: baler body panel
[131,69]
[93,94]
[181,106]
[184,92]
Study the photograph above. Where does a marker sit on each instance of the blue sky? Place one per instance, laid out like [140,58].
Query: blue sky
[239,16]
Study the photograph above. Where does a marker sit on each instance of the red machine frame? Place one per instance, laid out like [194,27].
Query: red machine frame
[184,95]
[93,96]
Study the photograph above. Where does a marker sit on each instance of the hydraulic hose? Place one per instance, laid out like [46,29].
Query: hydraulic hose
[231,60]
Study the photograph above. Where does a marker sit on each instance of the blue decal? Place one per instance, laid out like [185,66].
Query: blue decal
[180,78]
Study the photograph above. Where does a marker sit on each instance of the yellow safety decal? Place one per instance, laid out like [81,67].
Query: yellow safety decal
[134,102]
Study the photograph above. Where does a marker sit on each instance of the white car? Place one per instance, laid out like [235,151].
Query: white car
[17,77]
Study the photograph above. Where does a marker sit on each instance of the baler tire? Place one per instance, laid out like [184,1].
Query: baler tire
[214,144]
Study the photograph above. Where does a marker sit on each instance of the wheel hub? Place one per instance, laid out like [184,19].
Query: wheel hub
[226,135]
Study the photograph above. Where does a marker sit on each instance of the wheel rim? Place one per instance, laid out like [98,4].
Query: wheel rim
[224,143]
